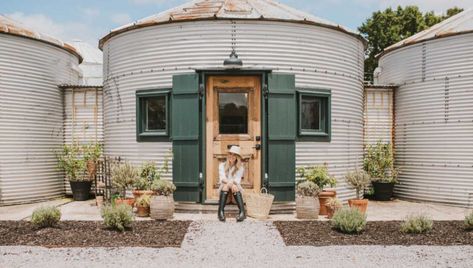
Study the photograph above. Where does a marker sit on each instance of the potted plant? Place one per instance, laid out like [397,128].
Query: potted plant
[123,177]
[142,204]
[320,176]
[333,205]
[379,163]
[148,174]
[360,180]
[92,153]
[73,164]
[162,205]
[307,201]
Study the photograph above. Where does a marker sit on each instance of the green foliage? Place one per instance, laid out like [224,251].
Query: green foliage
[124,176]
[417,224]
[308,188]
[333,203]
[385,28]
[358,179]
[149,173]
[163,187]
[143,201]
[318,175]
[469,221]
[92,151]
[70,160]
[117,217]
[46,216]
[379,163]
[349,220]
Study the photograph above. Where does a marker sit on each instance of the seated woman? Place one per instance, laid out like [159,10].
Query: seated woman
[230,173]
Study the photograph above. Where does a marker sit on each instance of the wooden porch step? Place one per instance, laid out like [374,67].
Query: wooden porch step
[277,208]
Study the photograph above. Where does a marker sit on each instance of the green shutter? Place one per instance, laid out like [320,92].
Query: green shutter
[281,136]
[185,137]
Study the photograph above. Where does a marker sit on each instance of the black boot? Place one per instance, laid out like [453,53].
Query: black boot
[221,205]
[239,199]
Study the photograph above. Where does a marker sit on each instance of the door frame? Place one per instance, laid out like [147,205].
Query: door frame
[203,76]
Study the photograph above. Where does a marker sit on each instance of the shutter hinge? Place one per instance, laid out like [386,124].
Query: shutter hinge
[201,181]
[265,91]
[266,181]
[201,90]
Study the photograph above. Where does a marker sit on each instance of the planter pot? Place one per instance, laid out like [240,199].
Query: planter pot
[127,201]
[331,211]
[307,207]
[80,190]
[138,193]
[162,207]
[323,197]
[361,204]
[99,201]
[142,211]
[383,191]
[91,168]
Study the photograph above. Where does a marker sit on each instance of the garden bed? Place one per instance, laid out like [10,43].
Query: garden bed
[315,233]
[93,234]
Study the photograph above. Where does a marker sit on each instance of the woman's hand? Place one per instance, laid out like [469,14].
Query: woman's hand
[235,188]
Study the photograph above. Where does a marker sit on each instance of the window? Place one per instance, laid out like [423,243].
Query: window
[233,113]
[152,115]
[314,115]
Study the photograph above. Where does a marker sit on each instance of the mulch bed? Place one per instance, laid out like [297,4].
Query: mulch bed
[314,233]
[152,234]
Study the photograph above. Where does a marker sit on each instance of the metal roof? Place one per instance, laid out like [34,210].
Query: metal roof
[13,27]
[230,10]
[461,23]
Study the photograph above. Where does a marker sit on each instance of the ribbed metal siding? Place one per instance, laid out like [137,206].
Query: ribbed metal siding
[378,115]
[320,58]
[31,115]
[434,121]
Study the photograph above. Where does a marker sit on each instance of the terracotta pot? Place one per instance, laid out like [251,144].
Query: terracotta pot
[142,211]
[128,201]
[361,204]
[323,197]
[331,211]
[162,207]
[307,207]
[91,168]
[138,193]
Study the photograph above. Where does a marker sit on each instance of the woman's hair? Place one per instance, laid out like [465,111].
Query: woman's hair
[238,164]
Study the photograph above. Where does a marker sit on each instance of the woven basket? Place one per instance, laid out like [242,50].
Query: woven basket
[162,207]
[258,205]
[307,207]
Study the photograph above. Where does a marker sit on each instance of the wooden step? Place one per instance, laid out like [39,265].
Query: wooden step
[277,208]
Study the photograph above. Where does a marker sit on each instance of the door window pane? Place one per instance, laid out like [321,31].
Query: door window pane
[155,113]
[310,113]
[233,113]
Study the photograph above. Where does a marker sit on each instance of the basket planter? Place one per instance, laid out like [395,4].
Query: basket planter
[127,201]
[258,205]
[142,211]
[80,190]
[162,207]
[138,193]
[383,191]
[361,204]
[323,197]
[307,207]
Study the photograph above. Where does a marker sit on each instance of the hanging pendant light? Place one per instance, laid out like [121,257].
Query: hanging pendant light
[233,62]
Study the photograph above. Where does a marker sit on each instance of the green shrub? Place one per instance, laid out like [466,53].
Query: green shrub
[469,221]
[308,188]
[46,216]
[349,220]
[318,175]
[163,187]
[417,224]
[117,217]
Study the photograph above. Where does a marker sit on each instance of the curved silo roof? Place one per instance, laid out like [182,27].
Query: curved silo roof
[10,26]
[462,23]
[230,10]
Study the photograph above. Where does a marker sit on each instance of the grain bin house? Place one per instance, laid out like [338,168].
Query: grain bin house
[290,94]
[433,73]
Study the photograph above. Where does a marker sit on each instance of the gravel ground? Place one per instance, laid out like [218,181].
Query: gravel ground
[215,244]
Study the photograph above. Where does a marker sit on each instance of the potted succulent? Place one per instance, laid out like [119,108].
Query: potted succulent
[148,174]
[73,164]
[123,177]
[379,163]
[142,204]
[320,176]
[307,201]
[360,180]
[162,205]
[333,205]
[92,153]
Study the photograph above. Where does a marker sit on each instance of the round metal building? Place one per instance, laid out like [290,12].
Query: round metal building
[32,65]
[293,97]
[433,111]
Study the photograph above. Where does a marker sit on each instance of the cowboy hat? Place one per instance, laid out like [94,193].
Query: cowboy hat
[235,150]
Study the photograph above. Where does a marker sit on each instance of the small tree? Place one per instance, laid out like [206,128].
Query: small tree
[359,180]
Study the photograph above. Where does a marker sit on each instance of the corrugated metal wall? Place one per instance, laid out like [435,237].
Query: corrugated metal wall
[434,119]
[31,115]
[378,115]
[83,117]
[320,58]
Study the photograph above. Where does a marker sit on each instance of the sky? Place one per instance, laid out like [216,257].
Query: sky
[89,20]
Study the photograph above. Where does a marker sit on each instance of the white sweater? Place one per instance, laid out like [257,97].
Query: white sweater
[236,178]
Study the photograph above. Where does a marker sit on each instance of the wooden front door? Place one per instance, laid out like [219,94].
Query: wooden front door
[233,117]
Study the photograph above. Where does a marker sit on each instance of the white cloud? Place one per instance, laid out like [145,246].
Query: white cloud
[91,12]
[121,18]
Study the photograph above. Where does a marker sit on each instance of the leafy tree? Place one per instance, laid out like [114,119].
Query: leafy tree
[390,26]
